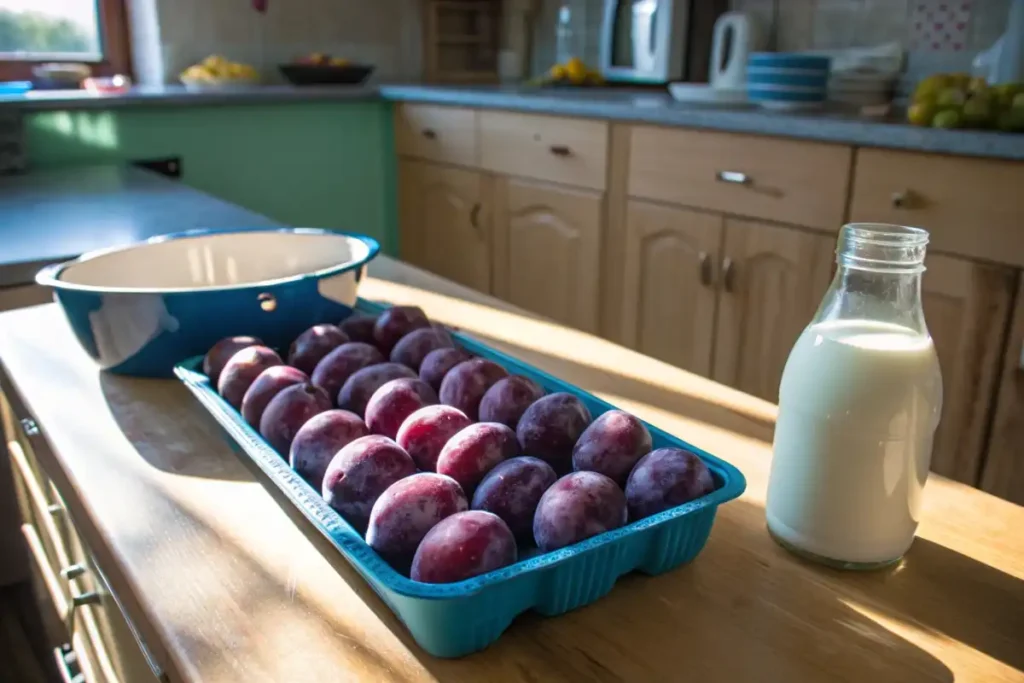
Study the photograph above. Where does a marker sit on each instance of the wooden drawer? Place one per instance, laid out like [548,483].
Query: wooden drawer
[803,183]
[560,150]
[445,134]
[970,206]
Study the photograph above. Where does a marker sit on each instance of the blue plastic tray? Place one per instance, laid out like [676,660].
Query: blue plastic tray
[452,620]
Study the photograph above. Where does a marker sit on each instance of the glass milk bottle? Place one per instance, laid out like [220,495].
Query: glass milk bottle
[858,406]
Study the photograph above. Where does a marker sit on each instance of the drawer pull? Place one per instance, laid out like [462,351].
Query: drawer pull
[474,216]
[74,571]
[560,150]
[83,599]
[29,426]
[728,274]
[705,268]
[66,661]
[430,133]
[734,177]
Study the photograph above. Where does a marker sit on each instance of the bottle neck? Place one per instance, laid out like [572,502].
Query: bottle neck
[878,278]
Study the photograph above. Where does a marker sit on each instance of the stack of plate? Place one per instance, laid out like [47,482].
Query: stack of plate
[861,87]
[787,81]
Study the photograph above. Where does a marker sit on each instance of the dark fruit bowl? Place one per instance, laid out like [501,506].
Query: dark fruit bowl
[316,74]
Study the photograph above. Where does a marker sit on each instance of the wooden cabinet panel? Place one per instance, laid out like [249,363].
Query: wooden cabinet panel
[966,306]
[553,148]
[971,207]
[1003,472]
[445,222]
[669,294]
[548,250]
[804,183]
[445,134]
[24,295]
[773,279]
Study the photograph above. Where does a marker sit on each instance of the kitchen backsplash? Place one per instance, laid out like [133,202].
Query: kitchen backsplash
[169,35]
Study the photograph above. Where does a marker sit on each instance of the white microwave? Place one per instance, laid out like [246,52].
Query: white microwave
[645,41]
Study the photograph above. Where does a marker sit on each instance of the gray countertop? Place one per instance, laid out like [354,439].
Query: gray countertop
[653,107]
[48,216]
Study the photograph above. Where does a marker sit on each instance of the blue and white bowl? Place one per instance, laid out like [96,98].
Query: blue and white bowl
[140,309]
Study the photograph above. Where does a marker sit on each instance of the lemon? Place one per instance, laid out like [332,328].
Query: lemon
[950,98]
[921,113]
[576,71]
[930,87]
[978,112]
[977,84]
[559,73]
[949,118]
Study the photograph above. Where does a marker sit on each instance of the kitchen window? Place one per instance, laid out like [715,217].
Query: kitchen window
[34,31]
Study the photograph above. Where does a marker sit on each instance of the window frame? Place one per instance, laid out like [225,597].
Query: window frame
[114,40]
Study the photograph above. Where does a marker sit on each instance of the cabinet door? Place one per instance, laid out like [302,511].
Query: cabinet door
[772,280]
[966,306]
[548,250]
[669,295]
[445,223]
[1003,473]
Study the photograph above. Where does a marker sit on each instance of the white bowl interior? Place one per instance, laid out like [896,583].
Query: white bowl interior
[219,260]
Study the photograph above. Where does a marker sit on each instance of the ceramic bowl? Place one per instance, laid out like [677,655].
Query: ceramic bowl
[789,60]
[140,309]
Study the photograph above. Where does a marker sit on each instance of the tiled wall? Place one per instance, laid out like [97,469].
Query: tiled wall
[172,34]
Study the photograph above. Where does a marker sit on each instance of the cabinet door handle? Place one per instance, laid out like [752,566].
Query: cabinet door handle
[65,660]
[560,150]
[734,177]
[902,199]
[73,572]
[29,426]
[474,216]
[728,274]
[430,133]
[705,268]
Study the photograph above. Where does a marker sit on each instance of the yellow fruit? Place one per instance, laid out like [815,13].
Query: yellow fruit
[978,112]
[559,73]
[1018,101]
[959,80]
[577,71]
[931,86]
[338,61]
[951,98]
[977,84]
[921,113]
[950,118]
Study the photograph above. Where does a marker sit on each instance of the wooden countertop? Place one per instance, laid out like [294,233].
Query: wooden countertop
[226,586]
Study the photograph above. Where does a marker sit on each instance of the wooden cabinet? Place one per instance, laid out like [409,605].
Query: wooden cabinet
[669,293]
[547,252]
[446,222]
[966,306]
[1003,471]
[772,280]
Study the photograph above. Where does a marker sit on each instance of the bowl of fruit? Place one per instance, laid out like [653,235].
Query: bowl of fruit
[142,308]
[572,74]
[960,101]
[218,73]
[323,69]
[464,485]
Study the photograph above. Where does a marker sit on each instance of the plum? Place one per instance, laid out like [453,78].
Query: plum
[311,346]
[462,546]
[362,384]
[425,433]
[612,445]
[395,401]
[512,490]
[467,382]
[550,428]
[576,507]
[407,510]
[508,399]
[221,352]
[288,411]
[317,442]
[474,451]
[360,472]
[337,366]
[414,347]
[359,327]
[438,362]
[664,479]
[242,370]
[265,387]
[395,323]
